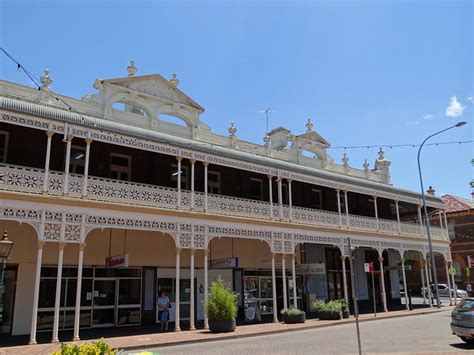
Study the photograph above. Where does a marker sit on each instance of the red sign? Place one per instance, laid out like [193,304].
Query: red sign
[369,267]
[470,261]
[117,261]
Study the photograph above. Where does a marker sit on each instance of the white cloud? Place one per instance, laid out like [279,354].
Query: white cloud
[454,109]
[469,98]
[428,116]
[412,123]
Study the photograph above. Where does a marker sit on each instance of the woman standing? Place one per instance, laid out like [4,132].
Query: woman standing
[163,309]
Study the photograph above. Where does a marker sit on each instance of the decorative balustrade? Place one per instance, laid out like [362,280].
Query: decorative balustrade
[240,207]
[315,217]
[30,180]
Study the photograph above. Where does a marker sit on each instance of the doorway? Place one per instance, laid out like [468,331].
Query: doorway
[7,299]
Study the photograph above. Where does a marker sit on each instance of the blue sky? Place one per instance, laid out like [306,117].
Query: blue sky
[366,72]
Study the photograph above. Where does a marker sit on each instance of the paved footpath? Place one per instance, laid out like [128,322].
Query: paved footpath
[422,334]
[244,334]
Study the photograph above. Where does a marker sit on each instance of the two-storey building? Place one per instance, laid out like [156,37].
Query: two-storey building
[108,202]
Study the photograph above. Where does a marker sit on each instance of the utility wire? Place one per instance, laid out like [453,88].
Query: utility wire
[35,81]
[397,145]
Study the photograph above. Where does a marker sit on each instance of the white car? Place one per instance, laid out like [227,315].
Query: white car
[445,291]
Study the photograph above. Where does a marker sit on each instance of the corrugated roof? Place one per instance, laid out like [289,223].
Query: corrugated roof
[456,203]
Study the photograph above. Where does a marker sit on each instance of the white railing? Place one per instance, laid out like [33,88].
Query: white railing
[30,180]
[240,207]
[315,217]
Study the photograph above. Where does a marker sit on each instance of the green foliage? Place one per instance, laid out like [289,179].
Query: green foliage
[331,306]
[99,347]
[319,305]
[344,304]
[292,312]
[222,302]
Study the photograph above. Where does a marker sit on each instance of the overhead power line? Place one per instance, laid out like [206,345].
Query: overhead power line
[391,146]
[36,82]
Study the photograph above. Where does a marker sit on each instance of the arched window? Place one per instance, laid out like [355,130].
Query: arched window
[128,107]
[172,119]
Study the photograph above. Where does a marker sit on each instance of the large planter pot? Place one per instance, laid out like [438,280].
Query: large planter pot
[222,326]
[330,315]
[346,313]
[300,318]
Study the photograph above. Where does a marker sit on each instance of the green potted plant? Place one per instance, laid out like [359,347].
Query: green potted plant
[331,310]
[293,315]
[345,308]
[221,307]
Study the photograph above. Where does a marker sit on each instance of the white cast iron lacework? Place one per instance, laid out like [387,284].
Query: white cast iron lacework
[197,235]
[140,143]
[124,192]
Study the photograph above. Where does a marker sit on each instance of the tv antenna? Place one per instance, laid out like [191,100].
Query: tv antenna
[266,112]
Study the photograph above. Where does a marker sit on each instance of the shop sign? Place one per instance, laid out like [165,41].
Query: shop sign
[470,261]
[117,261]
[227,263]
[313,269]
[369,267]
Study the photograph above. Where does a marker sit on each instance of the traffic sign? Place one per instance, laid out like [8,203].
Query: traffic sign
[452,271]
[468,272]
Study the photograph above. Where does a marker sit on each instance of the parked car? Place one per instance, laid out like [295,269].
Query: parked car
[444,291]
[462,320]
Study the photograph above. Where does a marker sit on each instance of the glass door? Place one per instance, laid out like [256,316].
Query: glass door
[129,301]
[103,305]
[168,286]
[266,295]
[7,297]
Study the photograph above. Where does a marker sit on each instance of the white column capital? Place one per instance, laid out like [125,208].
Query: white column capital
[49,133]
[88,141]
[178,158]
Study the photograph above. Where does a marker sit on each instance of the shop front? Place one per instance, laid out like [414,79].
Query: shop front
[257,295]
[118,296]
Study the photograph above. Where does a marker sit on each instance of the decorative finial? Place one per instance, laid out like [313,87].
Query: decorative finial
[174,80]
[132,69]
[309,125]
[46,80]
[381,154]
[345,160]
[232,129]
[366,165]
[266,140]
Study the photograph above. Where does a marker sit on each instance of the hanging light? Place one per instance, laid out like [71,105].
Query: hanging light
[5,247]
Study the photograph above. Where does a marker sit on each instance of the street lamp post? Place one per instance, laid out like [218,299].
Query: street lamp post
[5,248]
[425,210]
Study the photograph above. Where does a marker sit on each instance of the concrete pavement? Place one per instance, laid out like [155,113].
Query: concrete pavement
[244,333]
[423,334]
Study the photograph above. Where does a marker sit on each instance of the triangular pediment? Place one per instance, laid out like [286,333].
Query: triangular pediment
[315,137]
[155,86]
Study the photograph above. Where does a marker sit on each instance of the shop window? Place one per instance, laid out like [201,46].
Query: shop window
[185,181]
[256,188]
[120,166]
[78,158]
[214,182]
[3,146]
[316,199]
